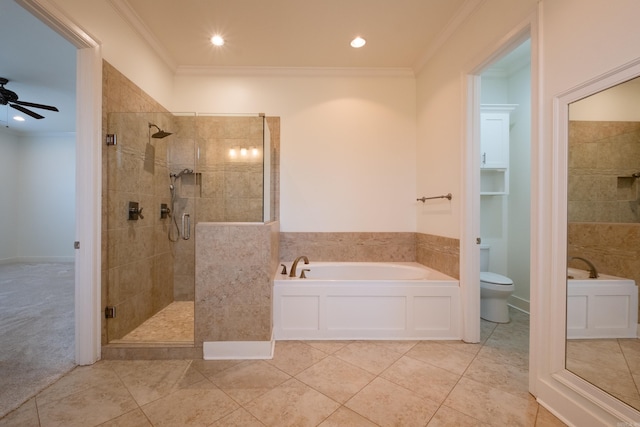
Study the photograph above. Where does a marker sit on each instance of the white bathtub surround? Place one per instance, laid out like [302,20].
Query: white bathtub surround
[362,300]
[601,308]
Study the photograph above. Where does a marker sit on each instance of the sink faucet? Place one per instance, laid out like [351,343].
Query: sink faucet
[295,264]
[593,273]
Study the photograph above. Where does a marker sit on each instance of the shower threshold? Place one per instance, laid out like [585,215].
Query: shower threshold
[173,325]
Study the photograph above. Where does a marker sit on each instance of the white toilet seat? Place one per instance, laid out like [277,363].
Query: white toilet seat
[494,278]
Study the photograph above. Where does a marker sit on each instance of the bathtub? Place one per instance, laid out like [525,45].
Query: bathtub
[363,300]
[606,307]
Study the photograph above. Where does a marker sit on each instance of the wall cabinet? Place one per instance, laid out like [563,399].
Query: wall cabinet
[494,149]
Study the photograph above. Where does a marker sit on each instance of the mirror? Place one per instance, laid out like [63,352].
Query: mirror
[604,240]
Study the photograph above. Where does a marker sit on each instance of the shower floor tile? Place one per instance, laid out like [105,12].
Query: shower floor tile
[172,324]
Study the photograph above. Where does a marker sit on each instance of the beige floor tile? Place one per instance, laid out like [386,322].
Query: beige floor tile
[447,417]
[294,357]
[368,356]
[335,378]
[248,380]
[328,347]
[631,352]
[346,417]
[292,404]
[502,352]
[598,353]
[547,419]
[174,323]
[491,405]
[472,348]
[610,379]
[135,418]
[210,368]
[388,404]
[200,404]
[148,380]
[24,416]
[509,378]
[88,407]
[421,378]
[238,418]
[398,346]
[442,356]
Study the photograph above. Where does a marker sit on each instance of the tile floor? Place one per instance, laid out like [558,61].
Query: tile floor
[319,383]
[611,364]
[173,324]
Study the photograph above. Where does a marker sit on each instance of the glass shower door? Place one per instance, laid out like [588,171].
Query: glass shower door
[150,213]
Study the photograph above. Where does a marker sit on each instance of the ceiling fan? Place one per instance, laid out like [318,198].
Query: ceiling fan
[9,97]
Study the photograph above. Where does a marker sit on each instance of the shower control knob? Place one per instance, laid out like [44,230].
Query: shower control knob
[135,212]
[165,211]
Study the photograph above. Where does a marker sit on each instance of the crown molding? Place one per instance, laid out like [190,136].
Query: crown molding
[467,9]
[295,71]
[130,16]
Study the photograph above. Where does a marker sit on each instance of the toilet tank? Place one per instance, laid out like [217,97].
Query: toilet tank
[484,257]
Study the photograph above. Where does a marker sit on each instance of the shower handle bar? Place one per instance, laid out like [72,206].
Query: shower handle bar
[446,196]
[186,226]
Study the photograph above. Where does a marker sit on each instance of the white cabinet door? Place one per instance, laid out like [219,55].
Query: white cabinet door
[494,140]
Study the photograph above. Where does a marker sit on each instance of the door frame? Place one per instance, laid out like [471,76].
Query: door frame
[88,242]
[469,245]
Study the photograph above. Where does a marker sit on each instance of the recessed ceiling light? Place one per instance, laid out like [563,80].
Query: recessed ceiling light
[358,42]
[217,40]
[18,118]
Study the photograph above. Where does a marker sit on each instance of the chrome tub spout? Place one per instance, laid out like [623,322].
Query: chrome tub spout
[295,264]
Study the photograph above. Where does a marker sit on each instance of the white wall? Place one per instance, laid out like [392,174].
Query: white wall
[519,200]
[582,40]
[8,195]
[122,47]
[441,108]
[46,201]
[347,143]
[37,219]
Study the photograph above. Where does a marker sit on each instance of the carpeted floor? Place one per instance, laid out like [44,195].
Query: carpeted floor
[37,338]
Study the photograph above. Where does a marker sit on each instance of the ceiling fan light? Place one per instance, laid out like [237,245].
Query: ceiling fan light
[18,118]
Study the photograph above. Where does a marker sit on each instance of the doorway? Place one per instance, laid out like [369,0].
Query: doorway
[472,230]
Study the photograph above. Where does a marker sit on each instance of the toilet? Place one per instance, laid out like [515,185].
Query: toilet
[494,291]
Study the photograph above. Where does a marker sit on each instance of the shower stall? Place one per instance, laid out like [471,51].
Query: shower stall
[167,172]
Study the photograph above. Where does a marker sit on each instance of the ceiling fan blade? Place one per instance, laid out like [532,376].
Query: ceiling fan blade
[31,104]
[28,112]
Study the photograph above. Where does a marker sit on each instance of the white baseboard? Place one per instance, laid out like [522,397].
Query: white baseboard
[237,350]
[519,304]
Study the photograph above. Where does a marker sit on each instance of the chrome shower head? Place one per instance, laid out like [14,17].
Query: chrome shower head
[182,172]
[160,134]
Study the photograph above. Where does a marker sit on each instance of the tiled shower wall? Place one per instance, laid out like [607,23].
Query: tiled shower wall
[602,158]
[604,223]
[439,253]
[235,264]
[137,263]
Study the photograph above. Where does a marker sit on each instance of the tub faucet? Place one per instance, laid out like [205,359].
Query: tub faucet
[593,273]
[295,264]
